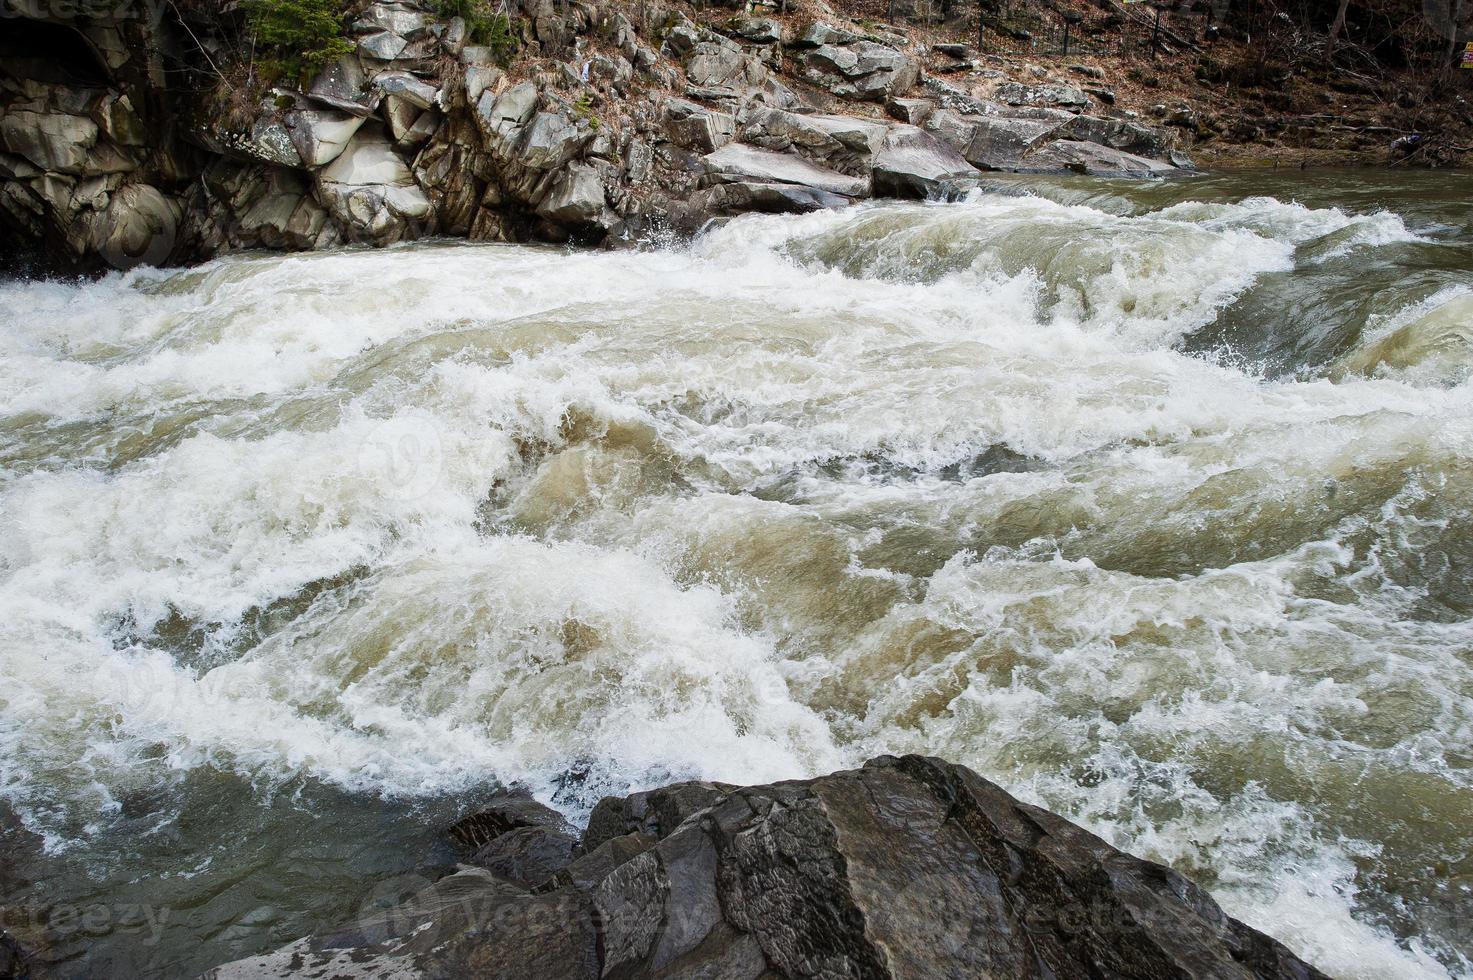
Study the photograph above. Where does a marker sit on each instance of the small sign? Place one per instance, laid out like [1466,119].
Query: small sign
[1468,55]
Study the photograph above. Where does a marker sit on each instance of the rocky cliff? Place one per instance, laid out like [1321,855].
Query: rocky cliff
[123,139]
[906,868]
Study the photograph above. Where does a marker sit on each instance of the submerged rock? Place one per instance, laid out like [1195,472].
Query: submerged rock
[907,868]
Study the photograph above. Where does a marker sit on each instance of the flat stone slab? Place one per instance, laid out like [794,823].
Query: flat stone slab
[739,163]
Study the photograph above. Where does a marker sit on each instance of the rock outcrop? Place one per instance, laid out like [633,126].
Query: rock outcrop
[601,131]
[907,868]
[15,960]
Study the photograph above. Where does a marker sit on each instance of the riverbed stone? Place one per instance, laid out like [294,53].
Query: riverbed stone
[739,163]
[913,163]
[527,855]
[1120,134]
[843,143]
[504,812]
[909,867]
[1095,160]
[990,142]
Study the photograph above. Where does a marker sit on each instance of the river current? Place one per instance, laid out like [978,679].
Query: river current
[1153,503]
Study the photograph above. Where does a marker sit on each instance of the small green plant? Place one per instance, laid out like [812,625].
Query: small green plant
[583,108]
[484,25]
[297,38]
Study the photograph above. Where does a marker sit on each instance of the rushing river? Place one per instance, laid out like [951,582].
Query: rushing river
[1153,503]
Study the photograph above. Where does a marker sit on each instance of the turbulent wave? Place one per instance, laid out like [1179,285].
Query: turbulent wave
[1032,481]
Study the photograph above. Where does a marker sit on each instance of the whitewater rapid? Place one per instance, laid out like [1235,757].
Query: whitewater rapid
[949,479]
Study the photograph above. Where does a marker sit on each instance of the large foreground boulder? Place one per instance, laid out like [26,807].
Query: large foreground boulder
[907,868]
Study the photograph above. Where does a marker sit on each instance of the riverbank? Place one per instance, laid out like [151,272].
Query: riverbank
[147,140]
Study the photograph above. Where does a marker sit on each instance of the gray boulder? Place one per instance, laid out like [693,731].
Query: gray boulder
[321,135]
[371,191]
[502,116]
[912,112]
[1020,94]
[342,85]
[139,227]
[844,143]
[402,85]
[1120,134]
[383,46]
[818,34]
[913,163]
[657,812]
[527,855]
[469,924]
[283,213]
[990,142]
[1095,160]
[505,812]
[550,140]
[755,30]
[738,163]
[720,62]
[53,141]
[861,70]
[752,196]
[396,18]
[119,121]
[694,127]
[576,199]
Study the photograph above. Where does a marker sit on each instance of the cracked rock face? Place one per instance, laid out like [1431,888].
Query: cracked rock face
[418,133]
[907,868]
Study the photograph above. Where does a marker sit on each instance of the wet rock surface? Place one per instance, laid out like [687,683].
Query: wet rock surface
[15,960]
[909,867]
[607,128]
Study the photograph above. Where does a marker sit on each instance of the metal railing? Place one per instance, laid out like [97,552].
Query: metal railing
[1038,30]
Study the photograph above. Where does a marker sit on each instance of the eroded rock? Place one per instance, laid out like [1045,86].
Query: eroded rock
[907,868]
[913,163]
[1096,161]
[738,163]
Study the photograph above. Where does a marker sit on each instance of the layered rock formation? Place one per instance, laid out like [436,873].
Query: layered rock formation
[116,146]
[906,868]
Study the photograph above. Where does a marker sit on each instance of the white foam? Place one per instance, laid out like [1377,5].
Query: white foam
[658,515]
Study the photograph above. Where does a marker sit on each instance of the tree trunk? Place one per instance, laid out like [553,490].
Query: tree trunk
[1336,29]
